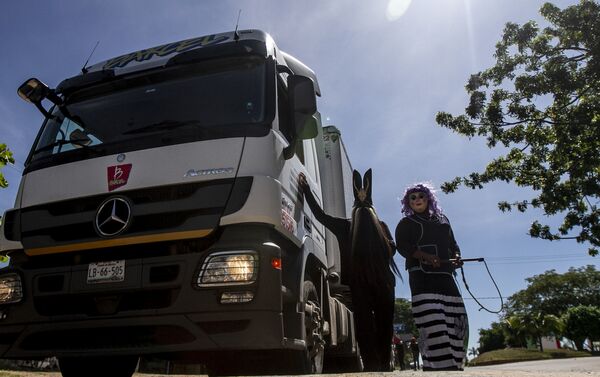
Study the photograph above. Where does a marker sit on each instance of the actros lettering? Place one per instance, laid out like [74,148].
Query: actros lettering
[196,173]
[164,50]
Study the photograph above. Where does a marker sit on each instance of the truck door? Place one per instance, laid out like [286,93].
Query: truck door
[304,161]
[312,169]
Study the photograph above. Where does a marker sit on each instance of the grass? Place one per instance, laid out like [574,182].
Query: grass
[511,355]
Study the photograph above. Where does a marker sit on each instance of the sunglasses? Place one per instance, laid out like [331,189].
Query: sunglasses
[418,195]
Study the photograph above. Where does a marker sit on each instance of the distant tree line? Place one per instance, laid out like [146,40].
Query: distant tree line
[553,304]
[403,316]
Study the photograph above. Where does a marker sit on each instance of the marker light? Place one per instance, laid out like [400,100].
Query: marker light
[11,290]
[276,263]
[236,297]
[229,268]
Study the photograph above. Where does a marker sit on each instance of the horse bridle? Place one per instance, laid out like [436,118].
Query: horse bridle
[462,273]
[481,306]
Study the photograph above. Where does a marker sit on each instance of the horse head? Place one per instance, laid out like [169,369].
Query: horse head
[362,189]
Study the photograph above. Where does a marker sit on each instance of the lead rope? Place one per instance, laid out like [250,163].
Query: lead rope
[462,272]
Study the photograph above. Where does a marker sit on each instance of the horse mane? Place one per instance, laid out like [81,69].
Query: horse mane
[372,255]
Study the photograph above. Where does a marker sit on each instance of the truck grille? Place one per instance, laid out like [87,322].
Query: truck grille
[174,208]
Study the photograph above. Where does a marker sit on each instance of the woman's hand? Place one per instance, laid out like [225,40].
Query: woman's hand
[457,262]
[429,259]
[302,183]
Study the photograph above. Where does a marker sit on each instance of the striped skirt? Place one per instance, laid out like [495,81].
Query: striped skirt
[440,316]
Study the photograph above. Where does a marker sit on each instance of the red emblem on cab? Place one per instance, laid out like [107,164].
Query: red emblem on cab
[117,176]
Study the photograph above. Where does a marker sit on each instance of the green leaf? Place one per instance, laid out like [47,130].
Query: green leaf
[6,157]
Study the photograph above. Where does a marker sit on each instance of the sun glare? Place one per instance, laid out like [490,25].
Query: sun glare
[396,9]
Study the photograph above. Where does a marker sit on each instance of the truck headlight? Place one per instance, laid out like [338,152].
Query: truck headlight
[11,290]
[229,268]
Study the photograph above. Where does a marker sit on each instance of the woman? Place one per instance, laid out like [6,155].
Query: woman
[424,237]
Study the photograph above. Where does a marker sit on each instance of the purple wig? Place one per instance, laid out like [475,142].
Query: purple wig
[427,189]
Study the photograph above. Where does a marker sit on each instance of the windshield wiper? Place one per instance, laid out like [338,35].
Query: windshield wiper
[80,143]
[161,126]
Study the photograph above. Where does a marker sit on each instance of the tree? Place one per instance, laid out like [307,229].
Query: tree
[536,325]
[403,316]
[554,293]
[582,322]
[6,157]
[541,101]
[492,338]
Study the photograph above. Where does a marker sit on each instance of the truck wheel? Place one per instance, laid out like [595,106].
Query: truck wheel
[114,366]
[313,325]
[344,364]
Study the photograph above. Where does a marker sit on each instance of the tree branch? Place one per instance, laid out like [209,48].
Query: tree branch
[525,147]
[574,48]
[542,120]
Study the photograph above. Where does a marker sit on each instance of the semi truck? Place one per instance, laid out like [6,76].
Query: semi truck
[159,215]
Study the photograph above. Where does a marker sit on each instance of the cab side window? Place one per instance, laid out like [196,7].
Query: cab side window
[285,116]
[283,109]
[310,158]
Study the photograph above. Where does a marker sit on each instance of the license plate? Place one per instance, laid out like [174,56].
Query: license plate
[106,272]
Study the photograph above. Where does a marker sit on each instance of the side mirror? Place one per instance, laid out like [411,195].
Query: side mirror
[33,90]
[79,139]
[303,102]
[303,106]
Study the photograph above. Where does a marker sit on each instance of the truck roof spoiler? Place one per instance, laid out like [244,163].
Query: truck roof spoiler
[87,79]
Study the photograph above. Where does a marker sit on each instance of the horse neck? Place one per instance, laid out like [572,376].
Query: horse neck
[363,217]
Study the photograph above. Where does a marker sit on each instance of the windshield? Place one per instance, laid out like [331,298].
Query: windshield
[180,104]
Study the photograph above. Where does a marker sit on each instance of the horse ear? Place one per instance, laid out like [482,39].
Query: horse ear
[356,183]
[367,179]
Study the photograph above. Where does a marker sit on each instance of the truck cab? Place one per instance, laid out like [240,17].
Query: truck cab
[159,215]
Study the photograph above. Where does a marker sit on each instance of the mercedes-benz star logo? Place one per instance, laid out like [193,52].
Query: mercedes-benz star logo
[113,217]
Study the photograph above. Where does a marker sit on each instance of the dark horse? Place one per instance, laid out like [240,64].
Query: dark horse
[373,281]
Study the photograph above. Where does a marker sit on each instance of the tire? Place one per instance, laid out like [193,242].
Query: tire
[114,366]
[309,360]
[349,363]
[344,364]
[313,324]
[286,362]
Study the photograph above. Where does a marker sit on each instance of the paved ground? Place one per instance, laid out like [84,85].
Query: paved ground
[578,367]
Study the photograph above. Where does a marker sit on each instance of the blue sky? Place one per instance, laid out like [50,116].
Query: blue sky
[383,77]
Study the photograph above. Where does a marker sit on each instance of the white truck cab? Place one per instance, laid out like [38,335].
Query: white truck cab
[159,215]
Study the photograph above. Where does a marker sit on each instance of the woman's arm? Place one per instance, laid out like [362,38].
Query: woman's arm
[454,249]
[335,224]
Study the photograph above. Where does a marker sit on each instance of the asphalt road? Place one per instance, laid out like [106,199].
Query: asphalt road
[577,367]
